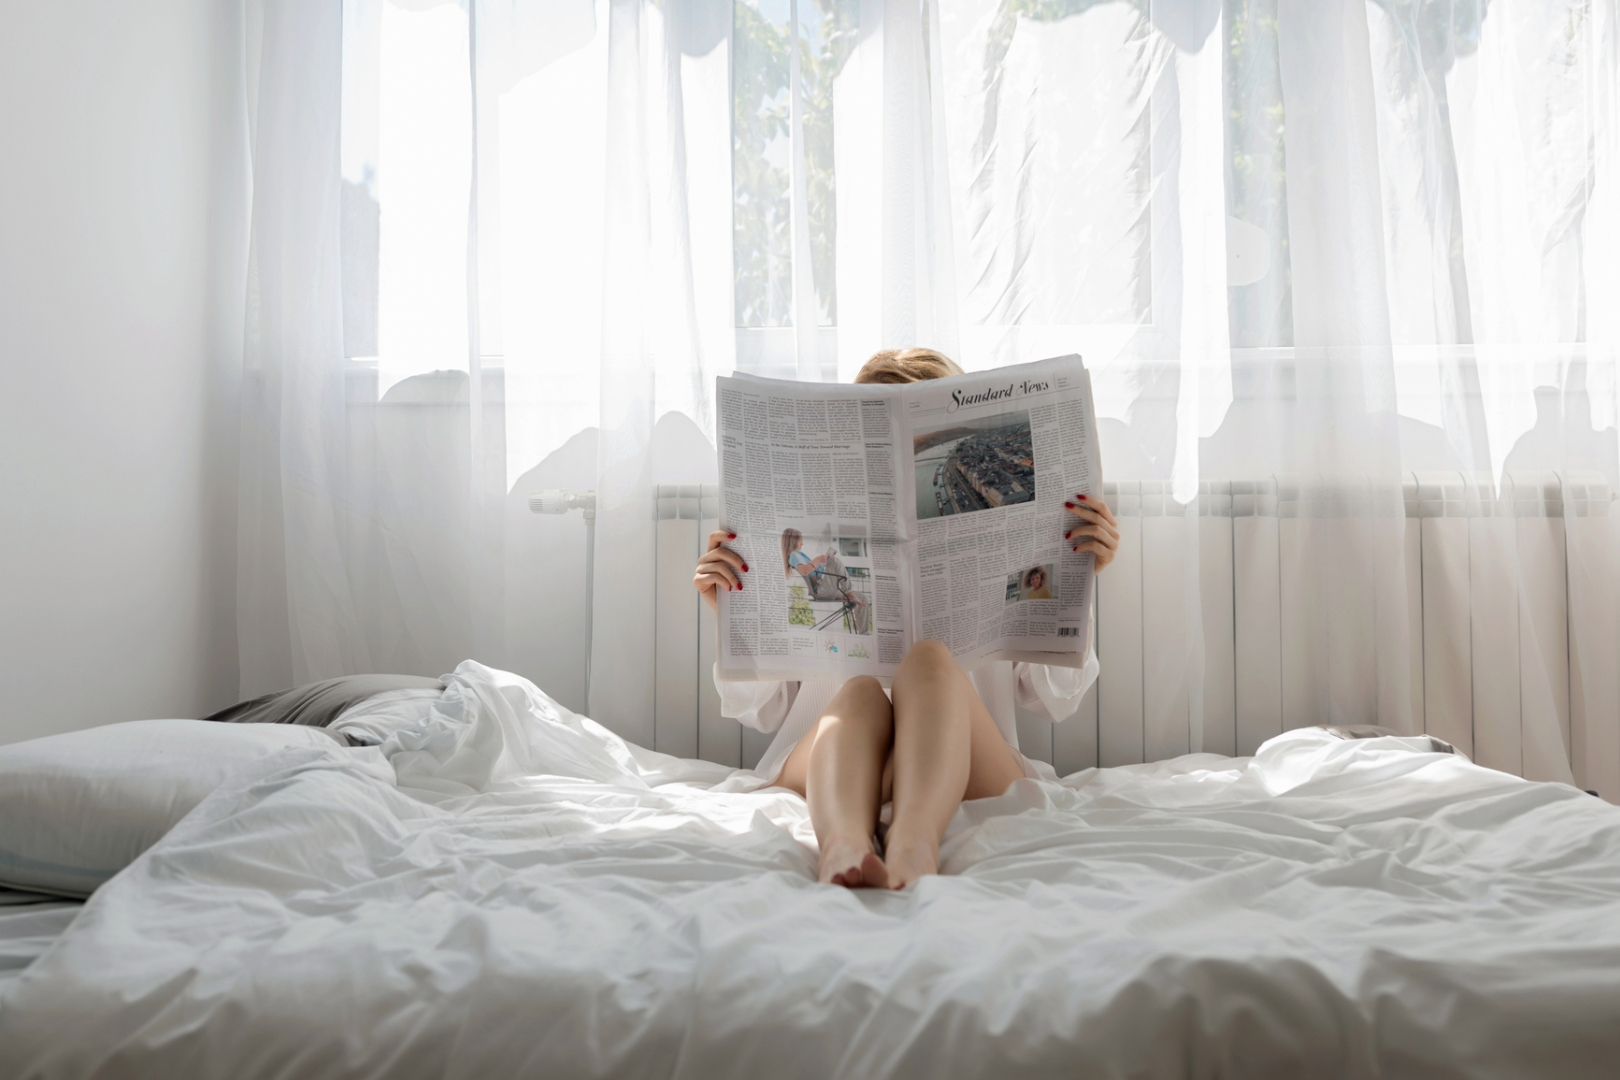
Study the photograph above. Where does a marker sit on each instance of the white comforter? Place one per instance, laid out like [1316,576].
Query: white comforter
[505,888]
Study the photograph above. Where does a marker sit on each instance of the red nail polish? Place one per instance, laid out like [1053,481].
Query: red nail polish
[745,568]
[731,536]
[739,586]
[1070,505]
[1082,498]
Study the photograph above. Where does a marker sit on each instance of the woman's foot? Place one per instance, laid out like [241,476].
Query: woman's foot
[853,864]
[908,858]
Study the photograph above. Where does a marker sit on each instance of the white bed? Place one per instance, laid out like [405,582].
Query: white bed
[505,888]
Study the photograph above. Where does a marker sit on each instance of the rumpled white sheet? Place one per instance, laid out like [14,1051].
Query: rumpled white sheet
[29,925]
[506,888]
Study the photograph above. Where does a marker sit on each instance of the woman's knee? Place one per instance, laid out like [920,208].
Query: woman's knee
[860,702]
[929,660]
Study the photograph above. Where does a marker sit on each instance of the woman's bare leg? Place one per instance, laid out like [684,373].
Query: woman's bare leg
[946,748]
[838,767]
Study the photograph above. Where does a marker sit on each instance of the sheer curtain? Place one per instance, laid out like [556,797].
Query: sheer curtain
[1362,250]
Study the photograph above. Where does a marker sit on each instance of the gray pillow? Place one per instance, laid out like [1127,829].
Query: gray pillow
[317,704]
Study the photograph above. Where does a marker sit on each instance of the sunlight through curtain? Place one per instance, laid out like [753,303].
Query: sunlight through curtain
[1359,253]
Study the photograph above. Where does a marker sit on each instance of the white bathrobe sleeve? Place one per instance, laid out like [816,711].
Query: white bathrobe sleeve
[1056,691]
[763,706]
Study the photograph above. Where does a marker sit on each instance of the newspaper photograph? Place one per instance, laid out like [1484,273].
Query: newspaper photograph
[883,515]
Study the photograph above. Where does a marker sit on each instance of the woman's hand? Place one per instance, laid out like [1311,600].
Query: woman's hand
[1096,531]
[719,568]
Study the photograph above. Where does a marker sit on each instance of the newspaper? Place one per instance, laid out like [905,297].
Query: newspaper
[874,517]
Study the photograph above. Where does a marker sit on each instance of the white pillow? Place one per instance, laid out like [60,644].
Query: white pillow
[77,808]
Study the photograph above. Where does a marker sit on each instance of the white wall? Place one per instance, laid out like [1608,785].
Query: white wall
[117,453]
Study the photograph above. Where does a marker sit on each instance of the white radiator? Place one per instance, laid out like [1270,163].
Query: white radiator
[1470,636]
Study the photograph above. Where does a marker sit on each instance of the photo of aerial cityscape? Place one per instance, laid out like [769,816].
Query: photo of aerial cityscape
[977,464]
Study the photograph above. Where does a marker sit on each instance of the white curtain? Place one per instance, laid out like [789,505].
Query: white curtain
[1365,250]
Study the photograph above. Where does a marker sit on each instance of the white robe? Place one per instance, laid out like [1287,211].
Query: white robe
[790,709]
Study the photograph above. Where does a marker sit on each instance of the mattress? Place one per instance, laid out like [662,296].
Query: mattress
[503,887]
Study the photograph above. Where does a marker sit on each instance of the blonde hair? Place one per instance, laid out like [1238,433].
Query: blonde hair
[791,539]
[907,366]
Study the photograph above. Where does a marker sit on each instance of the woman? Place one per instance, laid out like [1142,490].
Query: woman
[823,575]
[946,735]
[1035,587]
[794,560]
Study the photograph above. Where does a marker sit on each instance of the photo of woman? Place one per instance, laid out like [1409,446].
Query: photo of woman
[823,578]
[795,560]
[1035,584]
[1032,584]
